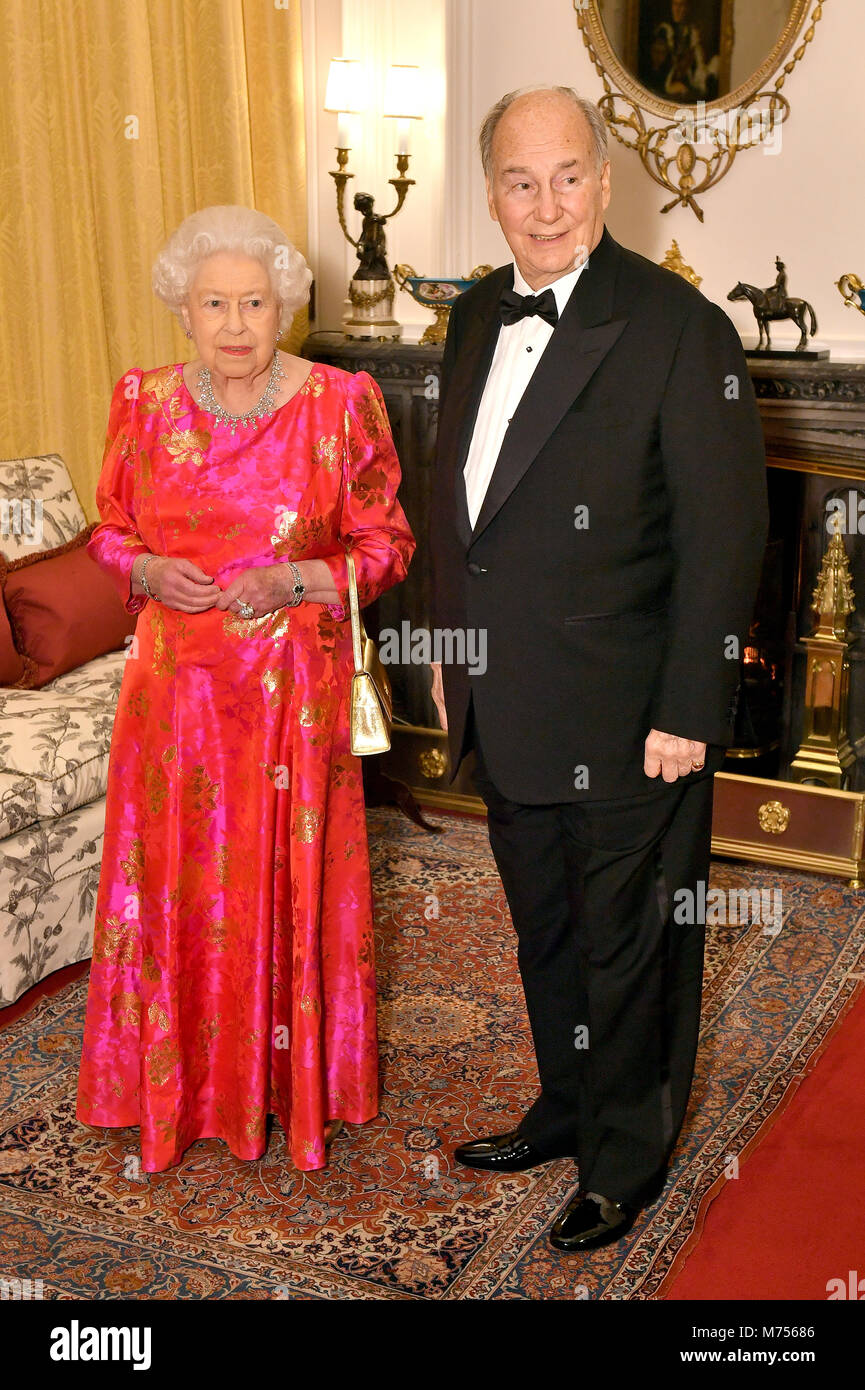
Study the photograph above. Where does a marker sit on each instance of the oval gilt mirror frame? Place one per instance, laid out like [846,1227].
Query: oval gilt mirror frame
[687,149]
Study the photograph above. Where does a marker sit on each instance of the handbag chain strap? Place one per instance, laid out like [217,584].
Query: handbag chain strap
[355,613]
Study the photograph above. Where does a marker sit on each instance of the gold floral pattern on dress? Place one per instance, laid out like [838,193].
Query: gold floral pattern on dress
[307,820]
[309,531]
[309,1005]
[186,446]
[126,1008]
[273,625]
[138,704]
[155,788]
[313,386]
[200,791]
[369,488]
[253,1124]
[160,384]
[161,1061]
[313,712]
[277,682]
[277,773]
[208,1031]
[220,862]
[114,939]
[164,659]
[284,528]
[150,969]
[144,475]
[216,933]
[372,417]
[158,1017]
[133,867]
[327,452]
[127,448]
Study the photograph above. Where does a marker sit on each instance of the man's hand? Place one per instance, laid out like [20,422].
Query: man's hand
[438,693]
[671,756]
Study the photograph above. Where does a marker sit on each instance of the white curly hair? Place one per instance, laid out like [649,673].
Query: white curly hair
[231,227]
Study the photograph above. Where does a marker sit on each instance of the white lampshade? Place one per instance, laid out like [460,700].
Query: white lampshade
[402,92]
[344,86]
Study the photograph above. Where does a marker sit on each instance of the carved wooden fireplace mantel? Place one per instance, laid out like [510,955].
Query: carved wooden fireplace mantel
[814,422]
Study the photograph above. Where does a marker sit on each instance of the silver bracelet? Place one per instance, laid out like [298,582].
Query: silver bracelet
[299,587]
[142,578]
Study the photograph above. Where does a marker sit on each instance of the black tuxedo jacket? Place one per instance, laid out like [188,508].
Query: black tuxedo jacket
[641,411]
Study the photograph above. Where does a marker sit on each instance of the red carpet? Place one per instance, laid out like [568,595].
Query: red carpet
[795,1218]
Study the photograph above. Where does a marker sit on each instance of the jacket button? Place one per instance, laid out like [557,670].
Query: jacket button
[474,568]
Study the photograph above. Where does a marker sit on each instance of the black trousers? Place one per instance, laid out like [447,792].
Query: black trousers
[612,983]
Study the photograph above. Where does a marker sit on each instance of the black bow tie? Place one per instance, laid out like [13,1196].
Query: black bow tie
[513,307]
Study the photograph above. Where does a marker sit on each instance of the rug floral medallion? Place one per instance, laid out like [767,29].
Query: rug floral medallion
[392,1216]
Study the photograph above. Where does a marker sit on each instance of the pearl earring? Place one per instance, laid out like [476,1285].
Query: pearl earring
[189,333]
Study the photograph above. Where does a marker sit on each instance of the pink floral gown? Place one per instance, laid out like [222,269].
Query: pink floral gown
[233,970]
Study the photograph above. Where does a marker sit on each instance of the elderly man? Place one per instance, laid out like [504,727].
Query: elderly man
[600,512]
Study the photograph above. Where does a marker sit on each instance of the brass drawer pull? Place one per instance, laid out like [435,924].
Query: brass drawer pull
[432,763]
[773,817]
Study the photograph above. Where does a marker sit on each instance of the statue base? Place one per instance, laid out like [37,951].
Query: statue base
[369,310]
[790,354]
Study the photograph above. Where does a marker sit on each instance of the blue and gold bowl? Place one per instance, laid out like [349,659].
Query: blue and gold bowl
[436,292]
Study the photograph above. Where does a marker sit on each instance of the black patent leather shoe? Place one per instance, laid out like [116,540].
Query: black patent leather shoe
[500,1153]
[590,1221]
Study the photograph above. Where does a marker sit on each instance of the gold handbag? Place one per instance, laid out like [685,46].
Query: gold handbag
[371,703]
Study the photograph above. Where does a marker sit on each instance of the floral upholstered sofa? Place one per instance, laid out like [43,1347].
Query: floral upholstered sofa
[55,738]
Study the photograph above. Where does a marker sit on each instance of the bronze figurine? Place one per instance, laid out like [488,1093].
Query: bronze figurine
[773,304]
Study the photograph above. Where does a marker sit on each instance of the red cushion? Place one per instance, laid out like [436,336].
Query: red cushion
[11,662]
[63,610]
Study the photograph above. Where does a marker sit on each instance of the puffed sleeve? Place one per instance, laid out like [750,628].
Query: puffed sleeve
[115,543]
[372,523]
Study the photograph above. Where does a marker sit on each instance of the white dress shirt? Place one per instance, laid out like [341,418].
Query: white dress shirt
[519,349]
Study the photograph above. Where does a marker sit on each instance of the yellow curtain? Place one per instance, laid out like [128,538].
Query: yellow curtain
[118,118]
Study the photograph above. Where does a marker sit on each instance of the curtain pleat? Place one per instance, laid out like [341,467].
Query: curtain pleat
[117,120]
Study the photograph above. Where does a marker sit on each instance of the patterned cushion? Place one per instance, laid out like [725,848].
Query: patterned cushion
[17,803]
[38,505]
[49,874]
[57,738]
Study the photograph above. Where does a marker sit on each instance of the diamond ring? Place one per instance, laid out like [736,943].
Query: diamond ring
[245,610]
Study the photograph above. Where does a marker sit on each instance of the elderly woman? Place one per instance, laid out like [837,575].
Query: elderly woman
[233,970]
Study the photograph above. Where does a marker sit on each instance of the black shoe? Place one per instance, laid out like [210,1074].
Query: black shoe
[590,1221]
[500,1153]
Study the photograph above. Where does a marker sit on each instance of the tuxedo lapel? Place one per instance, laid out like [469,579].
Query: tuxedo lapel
[583,336]
[466,386]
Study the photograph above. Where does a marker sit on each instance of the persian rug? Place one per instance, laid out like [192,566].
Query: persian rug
[392,1216]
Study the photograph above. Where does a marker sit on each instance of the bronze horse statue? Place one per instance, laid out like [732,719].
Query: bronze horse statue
[769,304]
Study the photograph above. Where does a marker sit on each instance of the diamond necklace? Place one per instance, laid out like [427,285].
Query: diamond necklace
[263,406]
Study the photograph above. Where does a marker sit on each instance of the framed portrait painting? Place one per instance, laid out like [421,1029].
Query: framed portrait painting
[680,50]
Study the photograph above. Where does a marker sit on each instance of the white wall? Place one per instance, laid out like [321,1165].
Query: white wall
[806,204]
